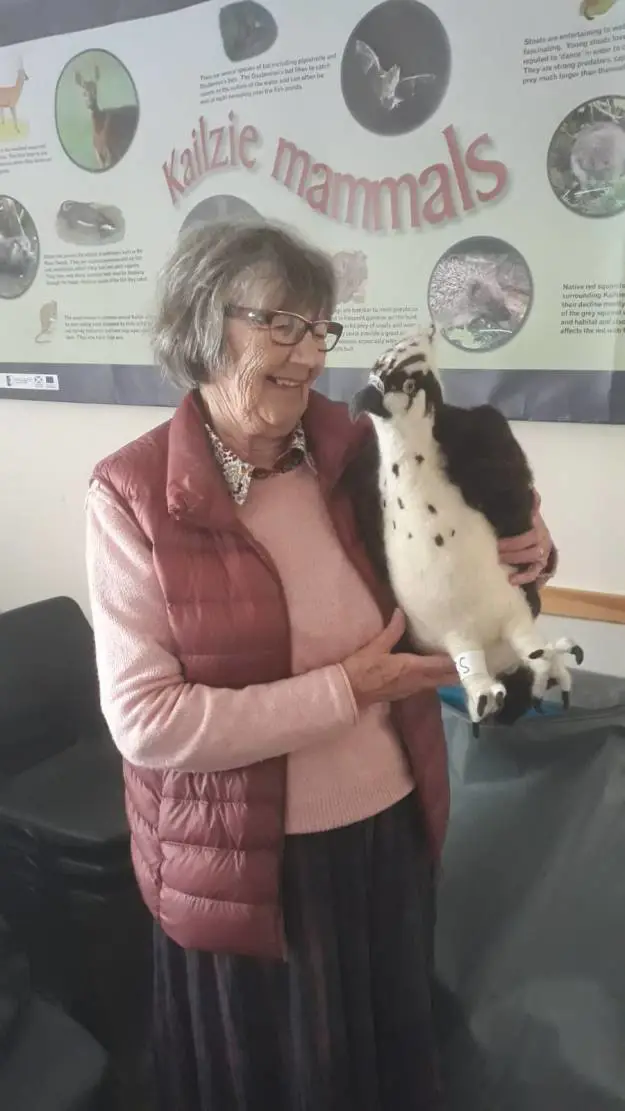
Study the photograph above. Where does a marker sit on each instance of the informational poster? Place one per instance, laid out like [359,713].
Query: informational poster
[460,161]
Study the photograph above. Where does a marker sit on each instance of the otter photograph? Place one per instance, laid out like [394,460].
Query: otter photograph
[19,249]
[586,158]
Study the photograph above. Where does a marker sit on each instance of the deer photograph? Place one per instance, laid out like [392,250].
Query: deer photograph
[97,111]
[9,99]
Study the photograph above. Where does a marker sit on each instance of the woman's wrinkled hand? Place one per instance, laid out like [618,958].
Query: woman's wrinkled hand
[376,674]
[532,550]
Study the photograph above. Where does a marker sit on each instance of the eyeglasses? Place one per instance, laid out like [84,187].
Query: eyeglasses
[289,328]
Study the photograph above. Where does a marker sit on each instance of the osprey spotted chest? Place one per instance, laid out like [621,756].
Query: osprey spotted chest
[435,491]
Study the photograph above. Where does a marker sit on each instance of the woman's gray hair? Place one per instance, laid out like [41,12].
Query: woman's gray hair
[257,266]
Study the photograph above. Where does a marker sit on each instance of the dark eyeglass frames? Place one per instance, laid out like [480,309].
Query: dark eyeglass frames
[289,328]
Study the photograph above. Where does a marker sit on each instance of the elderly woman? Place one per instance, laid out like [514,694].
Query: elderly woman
[285,770]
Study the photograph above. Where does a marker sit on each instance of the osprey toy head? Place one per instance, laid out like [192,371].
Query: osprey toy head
[404,383]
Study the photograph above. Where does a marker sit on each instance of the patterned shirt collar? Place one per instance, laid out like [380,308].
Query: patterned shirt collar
[238,475]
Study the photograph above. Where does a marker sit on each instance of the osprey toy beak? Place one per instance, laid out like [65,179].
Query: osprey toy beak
[369,400]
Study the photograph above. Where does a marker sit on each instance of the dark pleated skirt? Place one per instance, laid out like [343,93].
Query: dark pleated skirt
[346,1024]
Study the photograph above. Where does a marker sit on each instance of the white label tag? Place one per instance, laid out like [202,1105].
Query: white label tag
[470,663]
[376,382]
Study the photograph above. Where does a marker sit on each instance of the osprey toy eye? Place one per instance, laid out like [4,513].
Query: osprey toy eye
[410,387]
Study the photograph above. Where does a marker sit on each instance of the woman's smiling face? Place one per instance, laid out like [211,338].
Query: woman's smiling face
[268,376]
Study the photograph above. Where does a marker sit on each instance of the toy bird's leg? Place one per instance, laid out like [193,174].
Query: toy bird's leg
[485,695]
[543,659]
[523,635]
[564,646]
[559,673]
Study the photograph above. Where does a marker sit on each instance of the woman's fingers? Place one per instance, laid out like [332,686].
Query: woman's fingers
[526,556]
[434,670]
[522,578]
[512,545]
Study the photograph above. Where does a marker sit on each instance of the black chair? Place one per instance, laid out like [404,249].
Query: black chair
[47,1062]
[48,683]
[66,881]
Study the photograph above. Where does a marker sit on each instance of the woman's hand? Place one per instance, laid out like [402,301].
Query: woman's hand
[533,549]
[376,675]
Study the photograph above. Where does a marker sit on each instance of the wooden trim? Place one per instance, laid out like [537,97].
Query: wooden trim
[588,605]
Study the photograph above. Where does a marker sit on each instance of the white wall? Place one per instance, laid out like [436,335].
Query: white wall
[580,470]
[47,451]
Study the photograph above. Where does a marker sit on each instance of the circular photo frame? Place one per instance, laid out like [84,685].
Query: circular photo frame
[586,158]
[396,67]
[480,293]
[221,208]
[20,250]
[96,110]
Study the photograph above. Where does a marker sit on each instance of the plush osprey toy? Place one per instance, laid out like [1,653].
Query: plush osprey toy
[435,490]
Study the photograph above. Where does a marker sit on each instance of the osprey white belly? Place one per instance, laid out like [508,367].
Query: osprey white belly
[438,550]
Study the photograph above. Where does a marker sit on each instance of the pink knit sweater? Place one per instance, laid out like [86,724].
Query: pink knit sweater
[342,766]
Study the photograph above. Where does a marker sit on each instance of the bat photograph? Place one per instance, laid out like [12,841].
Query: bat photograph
[396,67]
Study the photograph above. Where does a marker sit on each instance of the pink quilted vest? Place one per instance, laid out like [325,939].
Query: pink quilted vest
[207,849]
